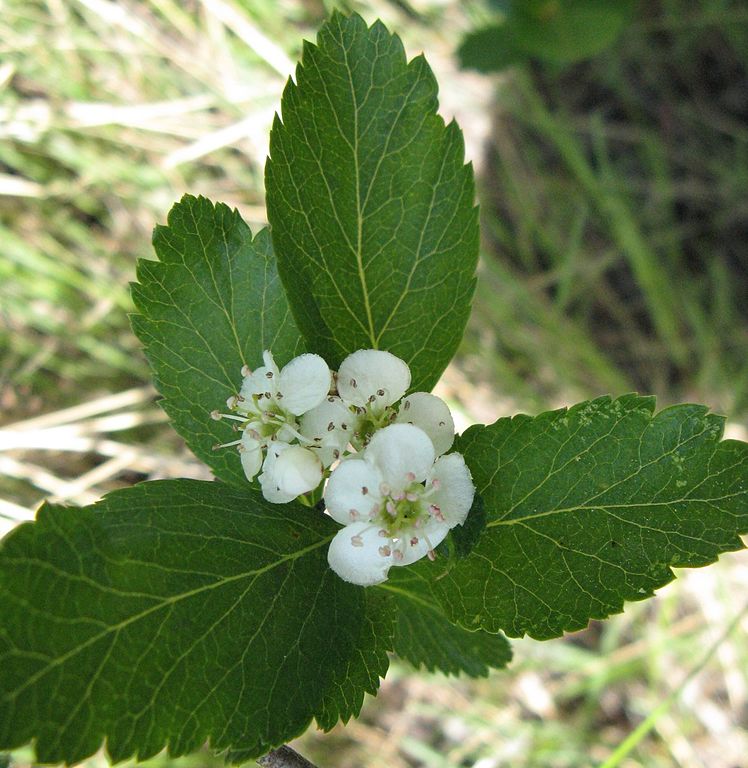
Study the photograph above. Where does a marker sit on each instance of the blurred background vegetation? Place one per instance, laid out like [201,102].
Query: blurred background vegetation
[614,200]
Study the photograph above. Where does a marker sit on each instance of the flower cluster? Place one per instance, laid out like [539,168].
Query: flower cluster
[389,481]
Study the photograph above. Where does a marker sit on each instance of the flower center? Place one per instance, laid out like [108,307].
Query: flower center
[408,508]
[370,418]
[263,418]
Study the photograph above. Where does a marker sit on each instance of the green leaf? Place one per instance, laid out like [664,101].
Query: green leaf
[211,304]
[556,31]
[370,203]
[427,639]
[464,537]
[590,507]
[176,612]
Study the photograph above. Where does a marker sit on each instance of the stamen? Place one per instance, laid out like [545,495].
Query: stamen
[218,416]
[436,512]
[357,541]
[385,551]
[232,402]
[218,446]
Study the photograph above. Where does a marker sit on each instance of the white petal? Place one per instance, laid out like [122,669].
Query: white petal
[296,470]
[304,383]
[456,490]
[261,380]
[432,415]
[354,485]
[368,372]
[250,451]
[330,426]
[399,450]
[272,493]
[356,554]
[426,538]
[271,490]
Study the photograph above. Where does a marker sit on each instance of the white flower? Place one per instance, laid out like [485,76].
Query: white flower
[370,383]
[268,406]
[396,503]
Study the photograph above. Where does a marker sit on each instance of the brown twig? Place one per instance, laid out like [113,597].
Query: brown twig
[284,757]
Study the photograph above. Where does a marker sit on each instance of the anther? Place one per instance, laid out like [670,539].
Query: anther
[437,513]
[410,477]
[380,392]
[436,483]
[398,555]
[372,399]
[344,426]
[232,402]
[410,496]
[391,508]
[357,541]
[384,489]
[353,383]
[353,514]
[406,405]
[331,426]
[215,415]
[413,541]
[431,555]
[246,370]
[385,551]
[364,490]
[268,395]
[269,375]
